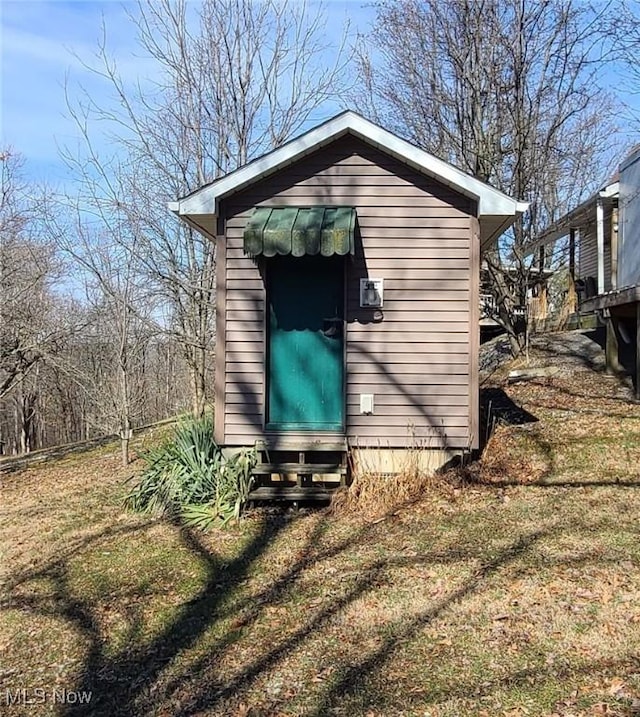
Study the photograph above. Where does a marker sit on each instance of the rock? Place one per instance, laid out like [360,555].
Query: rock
[527,374]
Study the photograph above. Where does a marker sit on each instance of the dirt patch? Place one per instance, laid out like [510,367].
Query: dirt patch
[568,351]
[578,423]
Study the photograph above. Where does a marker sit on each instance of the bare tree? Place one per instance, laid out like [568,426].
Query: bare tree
[507,90]
[79,354]
[117,316]
[28,267]
[623,29]
[232,79]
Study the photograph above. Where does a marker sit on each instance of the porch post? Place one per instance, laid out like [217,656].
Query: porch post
[614,248]
[612,354]
[600,240]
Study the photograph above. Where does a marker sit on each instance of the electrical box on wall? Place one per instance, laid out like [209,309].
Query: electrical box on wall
[371,293]
[366,404]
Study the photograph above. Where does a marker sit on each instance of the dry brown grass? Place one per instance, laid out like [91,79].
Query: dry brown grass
[372,495]
[587,430]
[512,453]
[480,600]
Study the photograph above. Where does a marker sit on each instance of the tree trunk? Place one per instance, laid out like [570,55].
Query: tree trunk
[124,446]
[125,422]
[198,383]
[125,437]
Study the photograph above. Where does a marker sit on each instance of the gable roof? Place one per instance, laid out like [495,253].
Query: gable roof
[496,210]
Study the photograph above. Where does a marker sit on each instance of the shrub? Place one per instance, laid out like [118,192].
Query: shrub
[189,478]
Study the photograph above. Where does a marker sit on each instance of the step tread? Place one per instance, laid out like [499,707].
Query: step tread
[304,468]
[291,493]
[299,444]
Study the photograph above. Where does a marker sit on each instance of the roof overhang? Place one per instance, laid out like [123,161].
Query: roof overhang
[495,210]
[576,218]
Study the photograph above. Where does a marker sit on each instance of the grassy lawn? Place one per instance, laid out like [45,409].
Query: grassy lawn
[517,595]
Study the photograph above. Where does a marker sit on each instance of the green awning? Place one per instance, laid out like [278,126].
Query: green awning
[296,231]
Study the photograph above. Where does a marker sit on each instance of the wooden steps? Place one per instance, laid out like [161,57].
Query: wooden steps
[292,493]
[310,445]
[300,473]
[300,468]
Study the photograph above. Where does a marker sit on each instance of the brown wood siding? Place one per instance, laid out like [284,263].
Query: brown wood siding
[413,232]
[474,336]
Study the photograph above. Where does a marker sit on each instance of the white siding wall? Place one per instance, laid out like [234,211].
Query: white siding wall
[629,235]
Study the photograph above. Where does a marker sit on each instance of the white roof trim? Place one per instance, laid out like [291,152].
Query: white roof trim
[490,200]
[611,190]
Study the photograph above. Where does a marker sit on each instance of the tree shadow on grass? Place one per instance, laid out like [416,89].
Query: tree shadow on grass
[352,679]
[497,407]
[117,682]
[380,702]
[121,684]
[133,681]
[213,698]
[43,569]
[592,394]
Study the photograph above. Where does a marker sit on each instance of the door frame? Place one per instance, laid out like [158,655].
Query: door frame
[264,266]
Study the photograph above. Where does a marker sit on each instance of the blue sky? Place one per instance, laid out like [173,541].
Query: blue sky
[39,42]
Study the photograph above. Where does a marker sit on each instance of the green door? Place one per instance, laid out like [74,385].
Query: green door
[306,358]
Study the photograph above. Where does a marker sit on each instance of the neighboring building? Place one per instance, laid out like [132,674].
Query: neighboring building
[535,309]
[591,235]
[348,297]
[619,304]
[604,259]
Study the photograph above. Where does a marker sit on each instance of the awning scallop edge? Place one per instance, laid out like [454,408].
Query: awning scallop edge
[300,231]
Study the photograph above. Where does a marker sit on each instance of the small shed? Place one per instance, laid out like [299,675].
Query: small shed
[348,266]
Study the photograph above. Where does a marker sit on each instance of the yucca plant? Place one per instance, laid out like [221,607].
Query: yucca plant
[232,486]
[189,478]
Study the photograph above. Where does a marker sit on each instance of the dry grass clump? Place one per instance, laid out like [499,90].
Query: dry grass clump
[513,454]
[374,494]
